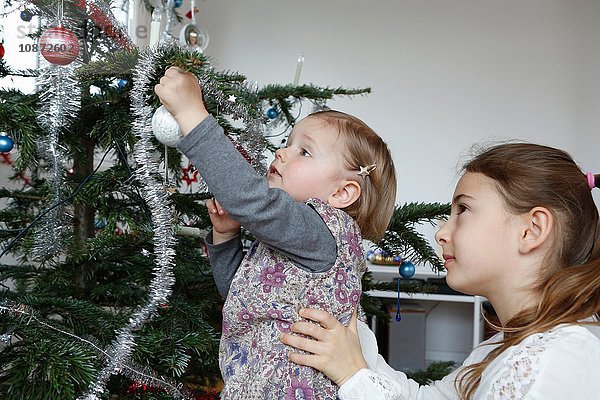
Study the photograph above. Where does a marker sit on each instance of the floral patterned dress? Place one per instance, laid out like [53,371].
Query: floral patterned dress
[263,301]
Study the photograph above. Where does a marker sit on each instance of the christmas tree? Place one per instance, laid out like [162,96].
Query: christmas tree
[109,297]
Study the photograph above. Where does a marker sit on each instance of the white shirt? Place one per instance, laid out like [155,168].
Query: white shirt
[562,363]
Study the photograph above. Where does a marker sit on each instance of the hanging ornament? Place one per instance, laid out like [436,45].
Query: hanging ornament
[6,143]
[272,113]
[26,15]
[189,13]
[59,45]
[5,159]
[100,223]
[190,174]
[177,3]
[121,83]
[1,50]
[165,127]
[192,35]
[407,269]
[380,257]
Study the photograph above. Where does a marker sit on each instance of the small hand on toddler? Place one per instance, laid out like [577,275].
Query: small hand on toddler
[322,343]
[224,227]
[181,94]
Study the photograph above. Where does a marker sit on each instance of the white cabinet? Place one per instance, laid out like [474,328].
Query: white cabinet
[453,326]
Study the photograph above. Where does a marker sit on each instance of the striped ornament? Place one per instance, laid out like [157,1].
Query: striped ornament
[59,45]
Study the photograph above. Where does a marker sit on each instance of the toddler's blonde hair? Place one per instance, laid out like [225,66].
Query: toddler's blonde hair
[363,147]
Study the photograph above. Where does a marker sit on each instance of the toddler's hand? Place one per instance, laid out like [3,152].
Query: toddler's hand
[224,227]
[181,94]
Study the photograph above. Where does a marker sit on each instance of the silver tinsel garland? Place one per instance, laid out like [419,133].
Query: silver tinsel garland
[139,373]
[159,204]
[252,139]
[60,100]
[157,198]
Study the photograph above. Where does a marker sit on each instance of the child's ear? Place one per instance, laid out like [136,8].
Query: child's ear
[348,192]
[538,224]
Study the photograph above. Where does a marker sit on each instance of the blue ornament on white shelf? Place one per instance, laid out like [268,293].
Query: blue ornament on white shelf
[122,83]
[26,15]
[407,269]
[6,143]
[272,113]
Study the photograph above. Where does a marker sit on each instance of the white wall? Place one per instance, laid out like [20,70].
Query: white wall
[444,73]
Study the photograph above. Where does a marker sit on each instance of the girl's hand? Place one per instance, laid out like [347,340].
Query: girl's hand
[335,348]
[181,94]
[224,227]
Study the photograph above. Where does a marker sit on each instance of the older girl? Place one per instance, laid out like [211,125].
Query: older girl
[524,233]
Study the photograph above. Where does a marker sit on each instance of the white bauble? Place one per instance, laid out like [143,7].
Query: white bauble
[194,37]
[165,127]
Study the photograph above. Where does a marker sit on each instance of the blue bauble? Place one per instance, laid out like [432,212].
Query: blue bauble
[177,3]
[26,15]
[6,144]
[122,83]
[272,113]
[407,269]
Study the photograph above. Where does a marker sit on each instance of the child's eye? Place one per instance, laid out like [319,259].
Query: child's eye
[304,153]
[462,208]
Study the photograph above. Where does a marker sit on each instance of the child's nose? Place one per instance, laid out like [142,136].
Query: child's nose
[280,153]
[441,236]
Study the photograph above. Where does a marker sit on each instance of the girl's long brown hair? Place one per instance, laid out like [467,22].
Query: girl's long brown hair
[527,176]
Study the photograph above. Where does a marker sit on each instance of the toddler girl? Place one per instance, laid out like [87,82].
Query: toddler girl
[333,184]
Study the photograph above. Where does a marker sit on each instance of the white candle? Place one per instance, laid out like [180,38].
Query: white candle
[155,27]
[187,231]
[298,69]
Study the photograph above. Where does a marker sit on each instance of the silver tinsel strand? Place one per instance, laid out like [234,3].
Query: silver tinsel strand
[60,101]
[159,204]
[164,239]
[140,374]
[253,139]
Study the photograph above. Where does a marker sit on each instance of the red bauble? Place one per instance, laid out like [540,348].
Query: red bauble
[1,50]
[59,45]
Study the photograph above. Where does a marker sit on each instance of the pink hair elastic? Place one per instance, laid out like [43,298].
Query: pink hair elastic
[591,180]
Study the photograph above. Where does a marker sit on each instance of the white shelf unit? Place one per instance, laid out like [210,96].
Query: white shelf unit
[450,298]
[445,328]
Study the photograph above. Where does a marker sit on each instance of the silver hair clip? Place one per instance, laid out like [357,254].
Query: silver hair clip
[365,171]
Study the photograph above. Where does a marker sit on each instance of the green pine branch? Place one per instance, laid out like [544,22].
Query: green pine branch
[402,237]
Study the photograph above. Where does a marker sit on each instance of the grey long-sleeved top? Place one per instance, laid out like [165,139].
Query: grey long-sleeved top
[271,215]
